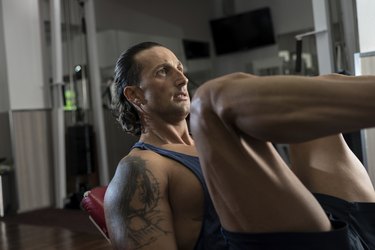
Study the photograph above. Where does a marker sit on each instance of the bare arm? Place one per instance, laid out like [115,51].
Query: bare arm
[290,108]
[136,206]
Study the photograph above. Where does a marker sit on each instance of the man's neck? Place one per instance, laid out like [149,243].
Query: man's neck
[164,133]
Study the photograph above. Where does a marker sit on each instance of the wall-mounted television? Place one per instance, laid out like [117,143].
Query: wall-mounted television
[243,31]
[196,49]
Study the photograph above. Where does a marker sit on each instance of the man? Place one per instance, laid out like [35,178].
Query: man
[158,198]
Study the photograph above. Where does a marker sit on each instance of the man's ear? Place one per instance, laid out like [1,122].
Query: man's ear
[133,95]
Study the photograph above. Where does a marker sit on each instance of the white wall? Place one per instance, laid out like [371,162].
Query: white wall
[366,21]
[23,46]
[365,65]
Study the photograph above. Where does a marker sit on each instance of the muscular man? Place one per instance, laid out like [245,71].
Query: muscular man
[159,200]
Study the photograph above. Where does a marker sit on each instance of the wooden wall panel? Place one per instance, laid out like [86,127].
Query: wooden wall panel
[33,158]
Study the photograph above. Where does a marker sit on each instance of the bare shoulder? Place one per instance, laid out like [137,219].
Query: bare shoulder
[136,204]
[139,171]
[140,162]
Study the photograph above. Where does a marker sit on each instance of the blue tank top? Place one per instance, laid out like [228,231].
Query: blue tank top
[210,236]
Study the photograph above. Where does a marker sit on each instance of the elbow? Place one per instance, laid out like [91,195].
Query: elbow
[117,234]
[114,221]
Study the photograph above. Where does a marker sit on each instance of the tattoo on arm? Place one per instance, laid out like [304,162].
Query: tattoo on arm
[142,195]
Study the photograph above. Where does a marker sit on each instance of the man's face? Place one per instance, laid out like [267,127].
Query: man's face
[164,84]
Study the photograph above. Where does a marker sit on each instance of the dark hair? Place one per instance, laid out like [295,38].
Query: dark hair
[128,73]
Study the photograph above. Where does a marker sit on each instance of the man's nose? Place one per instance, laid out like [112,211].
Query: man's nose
[181,79]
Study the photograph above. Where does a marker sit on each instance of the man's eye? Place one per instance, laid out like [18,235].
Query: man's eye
[162,72]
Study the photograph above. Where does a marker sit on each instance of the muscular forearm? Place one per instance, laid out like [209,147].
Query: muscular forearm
[292,108]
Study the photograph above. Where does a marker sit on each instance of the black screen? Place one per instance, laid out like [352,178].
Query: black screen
[196,49]
[243,31]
